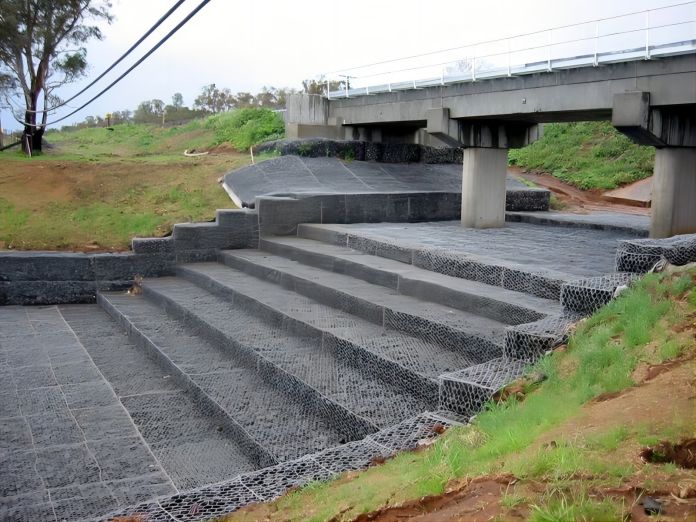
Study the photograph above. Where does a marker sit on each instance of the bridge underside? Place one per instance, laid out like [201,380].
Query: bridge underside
[652,101]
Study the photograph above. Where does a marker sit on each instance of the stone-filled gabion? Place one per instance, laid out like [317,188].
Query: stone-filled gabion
[266,484]
[529,341]
[466,391]
[588,294]
[361,151]
[640,255]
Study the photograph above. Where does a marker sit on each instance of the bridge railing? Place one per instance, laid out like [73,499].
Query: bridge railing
[642,35]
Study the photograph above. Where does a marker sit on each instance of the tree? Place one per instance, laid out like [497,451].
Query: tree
[319,86]
[177,100]
[41,49]
[214,100]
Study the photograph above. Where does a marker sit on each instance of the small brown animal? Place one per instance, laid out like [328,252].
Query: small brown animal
[377,460]
[137,288]
[439,428]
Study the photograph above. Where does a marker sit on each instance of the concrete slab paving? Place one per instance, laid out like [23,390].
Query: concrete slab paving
[569,251]
[65,437]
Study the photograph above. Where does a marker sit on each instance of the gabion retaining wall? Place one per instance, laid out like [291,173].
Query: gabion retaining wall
[362,151]
[266,484]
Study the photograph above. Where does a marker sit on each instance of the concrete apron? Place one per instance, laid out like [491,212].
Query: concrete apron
[483,187]
[674,192]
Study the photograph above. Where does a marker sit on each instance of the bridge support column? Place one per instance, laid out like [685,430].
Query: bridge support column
[483,187]
[672,129]
[674,192]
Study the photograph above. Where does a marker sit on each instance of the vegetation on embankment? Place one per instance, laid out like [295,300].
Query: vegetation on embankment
[95,188]
[568,449]
[240,129]
[588,155]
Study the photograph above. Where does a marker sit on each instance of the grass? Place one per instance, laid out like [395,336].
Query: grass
[95,189]
[602,356]
[561,507]
[588,155]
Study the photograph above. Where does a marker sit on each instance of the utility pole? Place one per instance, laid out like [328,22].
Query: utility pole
[2,132]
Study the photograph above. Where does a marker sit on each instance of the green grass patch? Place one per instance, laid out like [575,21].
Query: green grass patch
[562,507]
[588,155]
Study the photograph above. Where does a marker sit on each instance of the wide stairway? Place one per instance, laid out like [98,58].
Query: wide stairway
[299,347]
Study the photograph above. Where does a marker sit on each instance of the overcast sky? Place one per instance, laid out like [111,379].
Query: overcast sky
[244,45]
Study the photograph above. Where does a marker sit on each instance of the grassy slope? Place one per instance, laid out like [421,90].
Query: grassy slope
[588,155]
[651,323]
[95,189]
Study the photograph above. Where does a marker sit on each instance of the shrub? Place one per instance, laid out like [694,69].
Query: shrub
[244,128]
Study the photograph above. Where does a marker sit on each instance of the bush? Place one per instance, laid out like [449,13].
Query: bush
[244,128]
[589,155]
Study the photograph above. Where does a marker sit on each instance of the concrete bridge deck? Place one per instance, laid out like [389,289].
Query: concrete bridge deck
[652,101]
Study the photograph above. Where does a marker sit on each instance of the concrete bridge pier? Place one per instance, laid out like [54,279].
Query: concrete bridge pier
[483,187]
[672,130]
[486,145]
[674,192]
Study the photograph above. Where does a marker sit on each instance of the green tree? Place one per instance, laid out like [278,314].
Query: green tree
[318,86]
[41,49]
[214,100]
[177,100]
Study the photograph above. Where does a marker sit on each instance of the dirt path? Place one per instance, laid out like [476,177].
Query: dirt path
[576,200]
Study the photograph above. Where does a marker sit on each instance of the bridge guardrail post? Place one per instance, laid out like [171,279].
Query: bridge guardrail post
[647,34]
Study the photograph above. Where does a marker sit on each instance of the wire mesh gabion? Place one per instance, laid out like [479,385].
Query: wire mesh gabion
[352,374]
[640,255]
[268,483]
[588,294]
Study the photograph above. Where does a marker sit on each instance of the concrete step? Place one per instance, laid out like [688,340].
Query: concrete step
[539,281]
[229,385]
[193,445]
[494,302]
[307,365]
[463,333]
[406,360]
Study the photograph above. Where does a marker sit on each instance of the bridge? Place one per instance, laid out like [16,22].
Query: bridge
[637,71]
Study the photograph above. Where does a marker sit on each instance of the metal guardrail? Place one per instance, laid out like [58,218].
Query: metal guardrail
[641,35]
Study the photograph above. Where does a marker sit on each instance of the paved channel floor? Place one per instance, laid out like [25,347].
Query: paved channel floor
[577,252]
[68,448]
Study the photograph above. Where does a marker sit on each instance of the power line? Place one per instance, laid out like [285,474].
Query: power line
[521,35]
[128,71]
[121,58]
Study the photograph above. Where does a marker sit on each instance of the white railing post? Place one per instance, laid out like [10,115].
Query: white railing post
[647,34]
[473,66]
[508,58]
[536,49]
